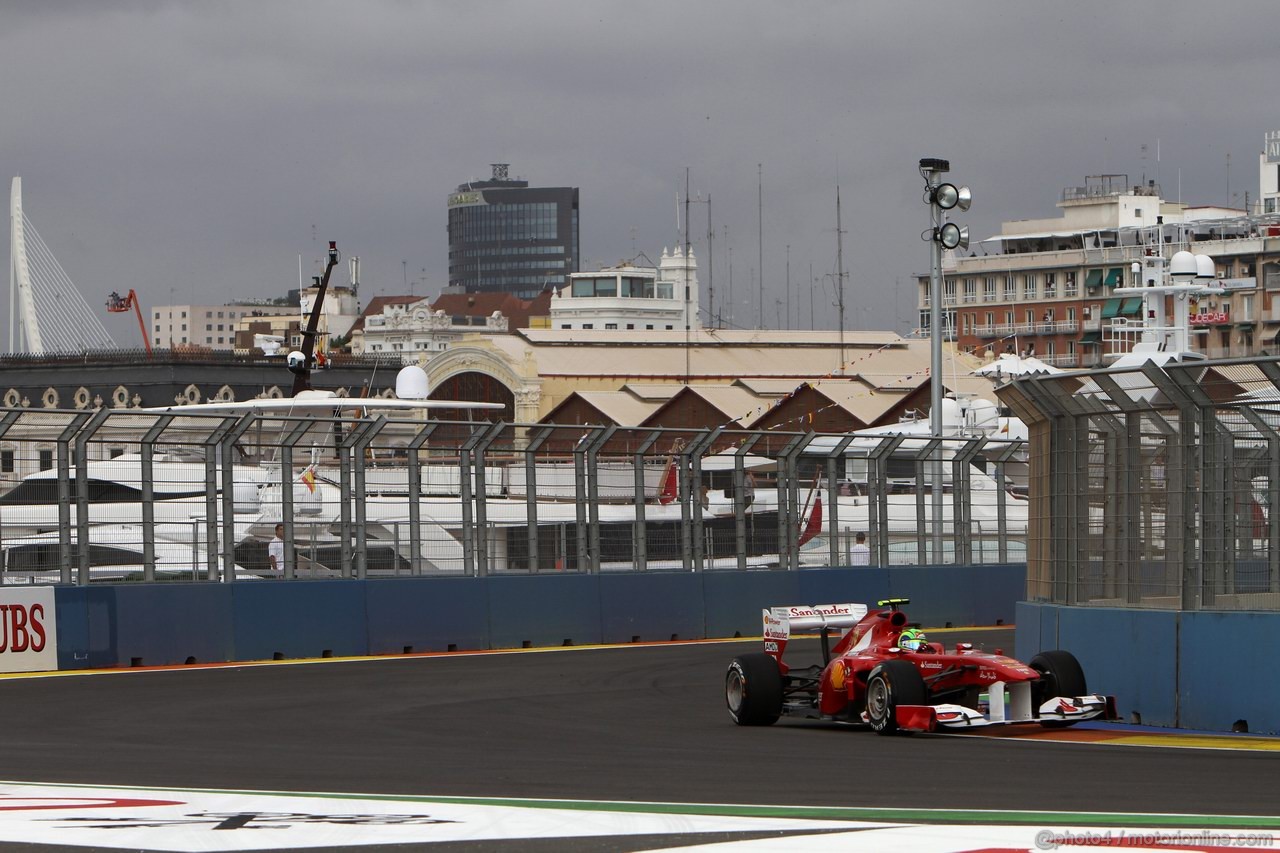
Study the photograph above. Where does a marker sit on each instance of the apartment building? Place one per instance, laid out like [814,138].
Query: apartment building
[1043,287]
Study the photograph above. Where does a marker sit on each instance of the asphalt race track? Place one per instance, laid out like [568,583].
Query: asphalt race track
[643,723]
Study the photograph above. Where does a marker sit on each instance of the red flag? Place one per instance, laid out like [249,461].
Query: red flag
[814,526]
[669,485]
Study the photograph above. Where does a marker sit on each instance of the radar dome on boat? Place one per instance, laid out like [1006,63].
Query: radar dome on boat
[411,383]
[983,414]
[1183,264]
[1205,267]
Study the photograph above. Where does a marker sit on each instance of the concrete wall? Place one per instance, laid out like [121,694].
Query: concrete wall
[158,624]
[1198,670]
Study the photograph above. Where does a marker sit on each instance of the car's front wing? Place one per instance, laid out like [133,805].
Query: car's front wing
[1006,704]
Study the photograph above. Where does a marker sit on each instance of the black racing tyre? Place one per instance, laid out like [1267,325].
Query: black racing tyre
[1060,675]
[753,690]
[893,683]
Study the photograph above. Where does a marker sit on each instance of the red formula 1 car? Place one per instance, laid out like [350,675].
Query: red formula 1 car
[883,673]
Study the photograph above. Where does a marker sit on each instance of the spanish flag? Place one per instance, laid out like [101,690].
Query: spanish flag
[309,478]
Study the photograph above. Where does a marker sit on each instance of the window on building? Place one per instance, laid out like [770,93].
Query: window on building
[184,316]
[208,340]
[1030,287]
[46,460]
[221,339]
[184,327]
[669,328]
[949,291]
[566,325]
[115,452]
[1031,317]
[1051,285]
[208,327]
[1070,288]
[649,326]
[1071,315]
[989,289]
[1010,288]
[588,325]
[631,325]
[611,325]
[969,290]
[6,461]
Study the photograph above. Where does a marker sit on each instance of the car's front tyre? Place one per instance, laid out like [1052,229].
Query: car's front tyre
[753,690]
[1060,675]
[893,683]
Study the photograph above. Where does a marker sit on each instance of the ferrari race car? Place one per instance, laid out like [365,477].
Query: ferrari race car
[883,673]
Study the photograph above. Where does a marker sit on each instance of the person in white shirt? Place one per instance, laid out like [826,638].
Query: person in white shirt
[860,553]
[275,551]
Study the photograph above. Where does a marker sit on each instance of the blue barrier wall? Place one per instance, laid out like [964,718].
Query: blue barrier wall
[161,624]
[405,613]
[1198,670]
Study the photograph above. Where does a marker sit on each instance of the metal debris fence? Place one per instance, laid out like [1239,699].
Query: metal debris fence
[1155,486]
[122,495]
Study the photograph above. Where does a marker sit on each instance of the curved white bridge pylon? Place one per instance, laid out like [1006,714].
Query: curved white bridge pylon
[46,313]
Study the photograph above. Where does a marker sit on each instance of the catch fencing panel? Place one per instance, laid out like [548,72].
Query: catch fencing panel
[122,495]
[1160,485]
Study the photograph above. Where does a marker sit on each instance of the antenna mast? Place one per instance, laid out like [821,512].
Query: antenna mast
[840,276]
[760,237]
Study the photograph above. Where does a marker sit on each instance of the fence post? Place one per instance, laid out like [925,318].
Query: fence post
[412,452]
[226,451]
[531,494]
[788,495]
[741,495]
[482,495]
[833,499]
[288,442]
[641,536]
[360,440]
[593,491]
[64,493]
[82,489]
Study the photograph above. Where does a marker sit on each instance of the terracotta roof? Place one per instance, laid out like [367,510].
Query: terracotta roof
[619,406]
[377,303]
[484,303]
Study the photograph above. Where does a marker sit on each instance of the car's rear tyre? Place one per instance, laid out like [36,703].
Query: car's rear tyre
[893,683]
[1060,675]
[753,690]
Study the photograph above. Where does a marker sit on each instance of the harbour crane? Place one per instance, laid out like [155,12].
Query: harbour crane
[118,304]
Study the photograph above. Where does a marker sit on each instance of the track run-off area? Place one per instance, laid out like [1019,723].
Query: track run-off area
[578,749]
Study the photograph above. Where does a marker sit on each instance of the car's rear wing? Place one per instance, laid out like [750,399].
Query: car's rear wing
[780,622]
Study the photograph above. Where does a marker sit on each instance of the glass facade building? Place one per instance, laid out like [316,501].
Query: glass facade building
[507,236]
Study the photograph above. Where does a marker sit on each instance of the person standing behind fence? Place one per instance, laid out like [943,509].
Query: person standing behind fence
[275,550]
[860,553]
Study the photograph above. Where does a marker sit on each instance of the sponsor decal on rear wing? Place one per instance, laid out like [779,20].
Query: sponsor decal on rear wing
[779,622]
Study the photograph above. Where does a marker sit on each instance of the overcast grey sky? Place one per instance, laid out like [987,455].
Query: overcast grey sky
[193,150]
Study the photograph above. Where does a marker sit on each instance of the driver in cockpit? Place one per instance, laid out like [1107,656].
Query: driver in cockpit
[914,640]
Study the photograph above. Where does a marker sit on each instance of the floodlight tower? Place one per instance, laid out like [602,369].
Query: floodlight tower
[940,197]
[941,235]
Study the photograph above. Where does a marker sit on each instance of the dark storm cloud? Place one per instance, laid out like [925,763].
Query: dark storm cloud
[193,150]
